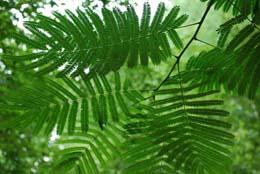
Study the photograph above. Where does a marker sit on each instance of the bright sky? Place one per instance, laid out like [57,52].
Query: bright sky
[62,5]
[74,4]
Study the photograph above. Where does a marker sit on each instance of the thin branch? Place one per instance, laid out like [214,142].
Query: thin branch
[207,43]
[189,25]
[167,77]
[187,45]
[182,92]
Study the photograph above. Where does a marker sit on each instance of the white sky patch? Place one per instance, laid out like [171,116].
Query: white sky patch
[54,135]
[62,5]
[9,72]
[153,4]
[72,5]
[19,16]
[46,158]
[86,70]
[77,78]
[2,66]
[62,67]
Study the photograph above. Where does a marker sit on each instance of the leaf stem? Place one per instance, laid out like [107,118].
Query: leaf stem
[189,25]
[207,43]
[194,37]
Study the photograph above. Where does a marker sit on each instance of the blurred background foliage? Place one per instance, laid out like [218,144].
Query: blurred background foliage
[23,153]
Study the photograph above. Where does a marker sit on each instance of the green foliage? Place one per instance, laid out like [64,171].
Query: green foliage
[236,66]
[186,131]
[238,6]
[90,152]
[61,102]
[182,129]
[225,29]
[192,132]
[20,152]
[245,119]
[84,40]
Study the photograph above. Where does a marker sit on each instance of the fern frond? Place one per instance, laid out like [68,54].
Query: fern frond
[238,7]
[90,152]
[236,67]
[63,101]
[74,42]
[189,133]
[225,29]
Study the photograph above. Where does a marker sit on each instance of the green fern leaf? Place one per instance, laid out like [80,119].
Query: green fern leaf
[234,68]
[62,102]
[184,130]
[91,152]
[70,43]
[238,7]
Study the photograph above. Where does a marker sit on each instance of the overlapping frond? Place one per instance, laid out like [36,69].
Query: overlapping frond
[236,67]
[238,6]
[182,130]
[188,131]
[226,28]
[80,40]
[88,153]
[49,103]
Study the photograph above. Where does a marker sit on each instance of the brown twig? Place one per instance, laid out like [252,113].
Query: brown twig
[194,37]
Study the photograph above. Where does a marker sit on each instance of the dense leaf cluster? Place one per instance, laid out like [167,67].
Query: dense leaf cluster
[73,42]
[181,128]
